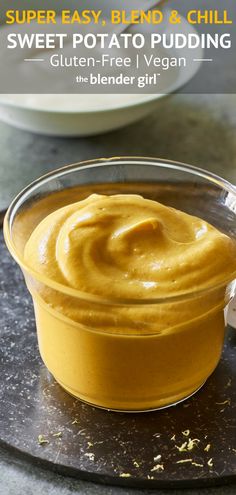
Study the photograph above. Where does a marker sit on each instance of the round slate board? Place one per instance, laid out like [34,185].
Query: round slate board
[96,445]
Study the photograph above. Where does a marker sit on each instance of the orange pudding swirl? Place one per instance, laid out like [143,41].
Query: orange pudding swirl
[125,246]
[129,356]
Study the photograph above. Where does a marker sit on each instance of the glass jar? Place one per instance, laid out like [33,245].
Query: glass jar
[168,347]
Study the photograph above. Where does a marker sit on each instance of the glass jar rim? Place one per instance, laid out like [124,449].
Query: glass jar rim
[125,160]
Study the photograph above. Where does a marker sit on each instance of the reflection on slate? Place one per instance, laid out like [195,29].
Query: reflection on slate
[144,450]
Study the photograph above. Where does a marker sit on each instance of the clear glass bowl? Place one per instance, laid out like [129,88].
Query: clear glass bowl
[142,367]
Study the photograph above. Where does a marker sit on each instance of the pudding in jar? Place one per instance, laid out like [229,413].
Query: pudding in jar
[139,324]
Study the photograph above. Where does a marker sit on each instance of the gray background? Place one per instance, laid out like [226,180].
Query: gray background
[197,129]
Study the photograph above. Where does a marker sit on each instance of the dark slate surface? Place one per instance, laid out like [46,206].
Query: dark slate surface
[102,446]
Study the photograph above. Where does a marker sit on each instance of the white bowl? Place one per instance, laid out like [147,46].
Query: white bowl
[41,114]
[77,123]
